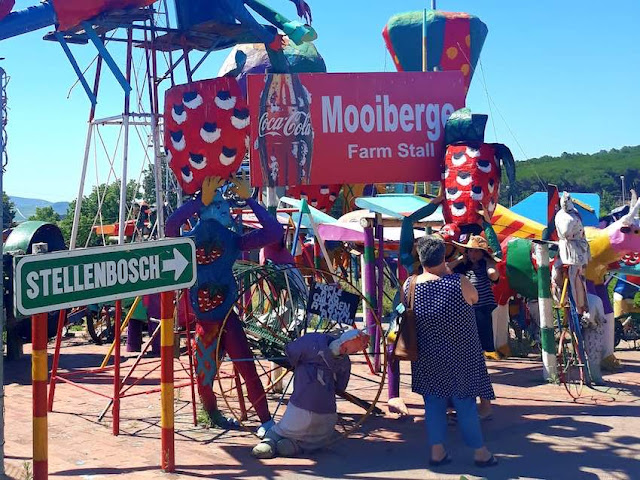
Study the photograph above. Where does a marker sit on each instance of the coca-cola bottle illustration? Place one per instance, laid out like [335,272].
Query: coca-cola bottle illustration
[285,133]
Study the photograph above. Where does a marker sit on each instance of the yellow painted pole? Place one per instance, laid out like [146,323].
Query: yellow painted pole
[39,375]
[124,325]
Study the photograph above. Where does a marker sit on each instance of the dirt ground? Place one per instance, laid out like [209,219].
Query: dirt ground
[537,431]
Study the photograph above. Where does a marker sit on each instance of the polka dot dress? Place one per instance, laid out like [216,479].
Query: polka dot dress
[450,361]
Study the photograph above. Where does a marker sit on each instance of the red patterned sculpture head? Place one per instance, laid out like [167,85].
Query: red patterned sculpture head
[206,130]
[472,172]
[450,232]
[321,197]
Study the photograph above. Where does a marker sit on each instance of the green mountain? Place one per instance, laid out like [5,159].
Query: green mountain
[578,172]
[25,207]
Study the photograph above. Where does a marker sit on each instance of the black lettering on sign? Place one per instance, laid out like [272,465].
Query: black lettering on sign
[331,302]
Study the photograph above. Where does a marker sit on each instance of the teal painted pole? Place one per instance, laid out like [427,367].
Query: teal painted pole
[547,338]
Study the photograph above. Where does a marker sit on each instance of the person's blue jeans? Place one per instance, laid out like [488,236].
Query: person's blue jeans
[435,409]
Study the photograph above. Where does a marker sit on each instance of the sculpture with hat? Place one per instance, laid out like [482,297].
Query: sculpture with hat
[321,368]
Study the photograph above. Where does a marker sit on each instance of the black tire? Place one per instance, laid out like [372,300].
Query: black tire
[618,333]
[24,327]
[100,326]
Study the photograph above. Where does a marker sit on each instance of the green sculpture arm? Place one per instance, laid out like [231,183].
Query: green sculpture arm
[492,238]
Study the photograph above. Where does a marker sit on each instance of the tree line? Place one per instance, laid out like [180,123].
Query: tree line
[578,172]
[575,172]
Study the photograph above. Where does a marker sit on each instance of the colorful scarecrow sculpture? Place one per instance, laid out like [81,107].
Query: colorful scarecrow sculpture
[321,368]
[469,196]
[574,253]
[206,132]
[472,172]
[206,129]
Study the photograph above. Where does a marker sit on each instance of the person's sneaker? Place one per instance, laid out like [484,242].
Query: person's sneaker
[264,428]
[286,448]
[265,449]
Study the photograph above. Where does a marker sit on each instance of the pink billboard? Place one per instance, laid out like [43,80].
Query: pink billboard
[321,128]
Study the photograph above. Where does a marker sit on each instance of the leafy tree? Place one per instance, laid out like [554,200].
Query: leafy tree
[109,195]
[45,214]
[8,211]
[149,186]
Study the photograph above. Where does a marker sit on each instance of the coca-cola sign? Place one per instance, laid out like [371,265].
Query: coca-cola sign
[320,128]
[297,123]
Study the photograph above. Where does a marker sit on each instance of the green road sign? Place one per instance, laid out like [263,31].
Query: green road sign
[53,281]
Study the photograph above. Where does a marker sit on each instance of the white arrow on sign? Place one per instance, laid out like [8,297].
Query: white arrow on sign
[178,263]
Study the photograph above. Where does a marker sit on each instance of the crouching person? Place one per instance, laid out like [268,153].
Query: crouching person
[321,368]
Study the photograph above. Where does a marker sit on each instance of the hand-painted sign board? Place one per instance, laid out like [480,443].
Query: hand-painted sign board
[54,281]
[328,128]
[333,303]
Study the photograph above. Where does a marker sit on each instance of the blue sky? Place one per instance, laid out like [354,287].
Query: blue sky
[561,76]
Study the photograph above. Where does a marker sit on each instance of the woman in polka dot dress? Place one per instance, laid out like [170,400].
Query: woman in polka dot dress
[450,363]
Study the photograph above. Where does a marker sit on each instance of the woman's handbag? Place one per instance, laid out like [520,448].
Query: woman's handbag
[406,345]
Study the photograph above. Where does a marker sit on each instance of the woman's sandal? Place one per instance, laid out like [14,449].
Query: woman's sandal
[491,462]
[444,461]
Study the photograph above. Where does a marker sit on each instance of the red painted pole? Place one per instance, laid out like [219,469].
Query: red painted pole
[39,373]
[116,370]
[168,459]
[56,357]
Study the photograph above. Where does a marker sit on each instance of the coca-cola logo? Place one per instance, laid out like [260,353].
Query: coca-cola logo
[295,124]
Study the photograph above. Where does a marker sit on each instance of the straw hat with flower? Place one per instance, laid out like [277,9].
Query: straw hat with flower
[476,242]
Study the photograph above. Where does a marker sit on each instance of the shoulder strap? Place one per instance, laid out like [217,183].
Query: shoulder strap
[403,297]
[412,291]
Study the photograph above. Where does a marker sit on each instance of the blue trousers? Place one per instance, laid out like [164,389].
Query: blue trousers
[484,320]
[435,409]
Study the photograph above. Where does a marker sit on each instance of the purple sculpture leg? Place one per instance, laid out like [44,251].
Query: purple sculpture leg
[134,336]
[236,345]
[393,374]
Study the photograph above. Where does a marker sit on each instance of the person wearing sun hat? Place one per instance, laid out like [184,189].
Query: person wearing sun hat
[478,264]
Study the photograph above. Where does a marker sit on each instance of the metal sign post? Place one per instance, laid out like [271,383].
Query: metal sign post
[3,120]
[62,280]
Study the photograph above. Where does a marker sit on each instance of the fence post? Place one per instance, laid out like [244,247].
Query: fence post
[547,338]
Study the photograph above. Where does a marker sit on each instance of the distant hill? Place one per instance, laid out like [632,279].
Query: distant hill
[25,207]
[578,172]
